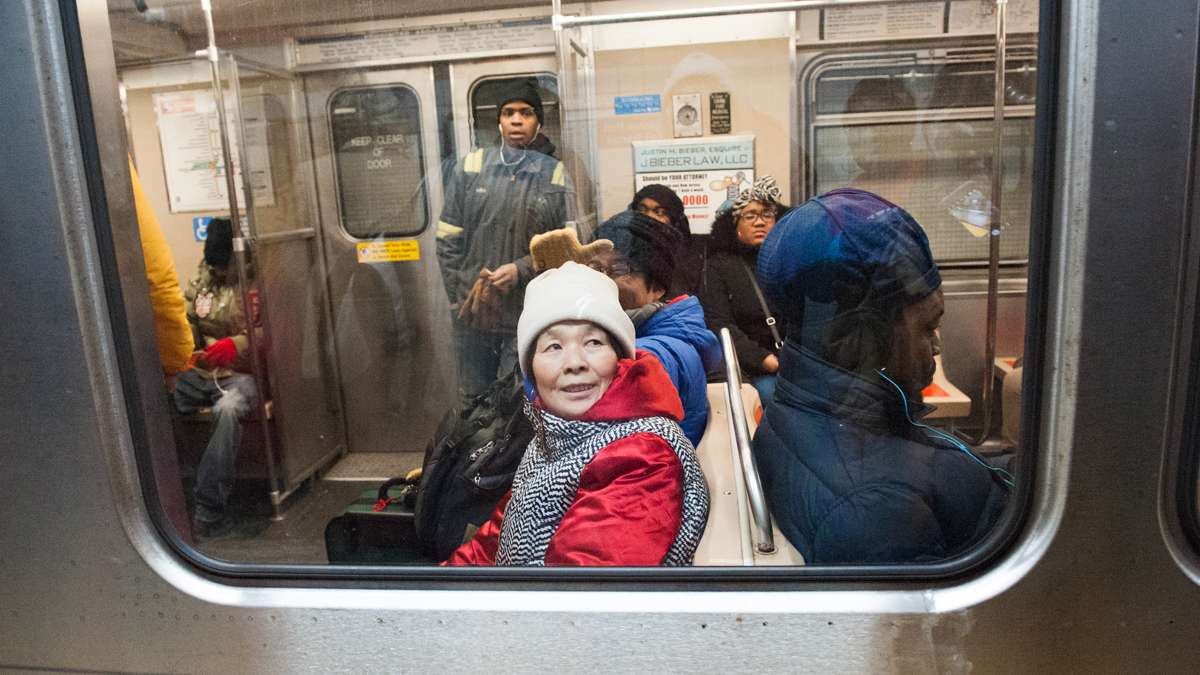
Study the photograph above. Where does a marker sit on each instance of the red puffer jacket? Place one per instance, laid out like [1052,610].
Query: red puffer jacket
[628,508]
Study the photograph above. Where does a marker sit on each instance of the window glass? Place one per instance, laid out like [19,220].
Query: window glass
[393,353]
[877,127]
[381,166]
[953,157]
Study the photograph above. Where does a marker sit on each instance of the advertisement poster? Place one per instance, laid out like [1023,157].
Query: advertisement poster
[191,145]
[704,172]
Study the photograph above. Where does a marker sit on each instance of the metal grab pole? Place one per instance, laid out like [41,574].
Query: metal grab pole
[239,248]
[741,432]
[986,399]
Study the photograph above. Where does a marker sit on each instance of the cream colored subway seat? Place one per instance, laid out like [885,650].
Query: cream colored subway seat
[728,540]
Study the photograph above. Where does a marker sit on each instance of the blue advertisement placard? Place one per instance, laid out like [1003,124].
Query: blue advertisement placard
[636,105]
[200,227]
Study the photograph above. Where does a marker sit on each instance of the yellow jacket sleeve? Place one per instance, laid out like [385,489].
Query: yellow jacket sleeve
[166,300]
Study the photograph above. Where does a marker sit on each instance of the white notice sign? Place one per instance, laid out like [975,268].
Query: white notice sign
[704,172]
[878,21]
[191,145]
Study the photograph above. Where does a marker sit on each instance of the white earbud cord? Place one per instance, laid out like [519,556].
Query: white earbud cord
[1005,476]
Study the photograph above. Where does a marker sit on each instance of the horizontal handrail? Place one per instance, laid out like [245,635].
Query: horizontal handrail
[741,431]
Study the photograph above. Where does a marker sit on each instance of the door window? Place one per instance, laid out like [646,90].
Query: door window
[380,164]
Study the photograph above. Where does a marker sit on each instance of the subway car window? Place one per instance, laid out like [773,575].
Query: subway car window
[380,164]
[716,291]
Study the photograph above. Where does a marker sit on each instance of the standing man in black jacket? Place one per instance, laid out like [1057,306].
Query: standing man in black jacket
[497,198]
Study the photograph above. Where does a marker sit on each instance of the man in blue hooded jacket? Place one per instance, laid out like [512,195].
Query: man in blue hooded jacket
[850,472]
[642,263]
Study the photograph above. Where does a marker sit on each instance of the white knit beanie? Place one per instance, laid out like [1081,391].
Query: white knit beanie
[572,292]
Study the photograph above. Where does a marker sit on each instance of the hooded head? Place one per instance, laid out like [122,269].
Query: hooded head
[642,249]
[218,243]
[662,204]
[854,277]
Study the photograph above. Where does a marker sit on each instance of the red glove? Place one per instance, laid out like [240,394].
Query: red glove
[221,353]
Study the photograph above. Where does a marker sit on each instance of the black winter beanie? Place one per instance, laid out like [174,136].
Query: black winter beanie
[522,90]
[650,246]
[218,243]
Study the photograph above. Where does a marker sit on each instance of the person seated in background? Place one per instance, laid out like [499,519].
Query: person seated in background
[642,262]
[851,473]
[609,478]
[219,377]
[660,203]
[729,291]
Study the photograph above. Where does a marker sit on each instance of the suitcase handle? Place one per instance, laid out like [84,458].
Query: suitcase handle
[389,484]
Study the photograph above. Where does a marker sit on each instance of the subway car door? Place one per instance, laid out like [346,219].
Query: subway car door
[379,188]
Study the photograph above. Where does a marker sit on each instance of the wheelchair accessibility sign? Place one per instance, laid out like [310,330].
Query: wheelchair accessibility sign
[200,227]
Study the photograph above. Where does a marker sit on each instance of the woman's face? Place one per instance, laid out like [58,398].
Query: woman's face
[755,222]
[573,364]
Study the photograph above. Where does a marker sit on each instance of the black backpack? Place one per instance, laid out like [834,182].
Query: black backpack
[469,466]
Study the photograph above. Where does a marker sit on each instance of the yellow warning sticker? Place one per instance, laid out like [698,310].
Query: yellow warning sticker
[389,251]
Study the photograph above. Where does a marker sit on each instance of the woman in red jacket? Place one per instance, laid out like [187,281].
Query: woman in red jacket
[609,478]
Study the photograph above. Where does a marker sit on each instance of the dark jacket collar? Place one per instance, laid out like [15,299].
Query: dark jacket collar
[807,380]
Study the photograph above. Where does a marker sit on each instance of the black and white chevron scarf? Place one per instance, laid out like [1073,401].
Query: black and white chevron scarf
[548,478]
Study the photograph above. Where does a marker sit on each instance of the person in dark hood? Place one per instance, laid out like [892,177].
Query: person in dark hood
[729,291]
[643,263]
[850,472]
[660,203]
[496,199]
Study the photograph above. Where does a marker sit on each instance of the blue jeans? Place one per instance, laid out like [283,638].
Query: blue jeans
[483,358]
[217,470]
[765,384]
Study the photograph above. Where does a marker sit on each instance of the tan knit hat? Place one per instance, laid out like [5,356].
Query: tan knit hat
[572,292]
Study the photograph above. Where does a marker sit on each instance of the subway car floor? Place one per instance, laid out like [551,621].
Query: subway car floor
[299,537]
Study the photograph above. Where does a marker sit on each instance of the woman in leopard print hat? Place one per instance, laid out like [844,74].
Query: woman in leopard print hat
[729,290]
[609,478]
